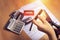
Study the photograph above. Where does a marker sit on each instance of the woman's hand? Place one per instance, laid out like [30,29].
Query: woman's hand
[44,26]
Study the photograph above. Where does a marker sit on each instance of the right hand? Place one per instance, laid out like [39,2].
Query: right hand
[44,25]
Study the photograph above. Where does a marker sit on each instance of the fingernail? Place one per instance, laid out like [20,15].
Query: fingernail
[38,15]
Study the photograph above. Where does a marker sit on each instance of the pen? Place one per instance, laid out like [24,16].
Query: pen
[35,18]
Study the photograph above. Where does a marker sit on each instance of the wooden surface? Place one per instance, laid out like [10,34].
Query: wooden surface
[7,6]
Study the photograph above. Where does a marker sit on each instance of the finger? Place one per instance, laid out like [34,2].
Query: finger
[42,19]
[39,21]
[35,22]
[38,14]
[39,25]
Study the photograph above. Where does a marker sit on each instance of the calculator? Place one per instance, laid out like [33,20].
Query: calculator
[16,26]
